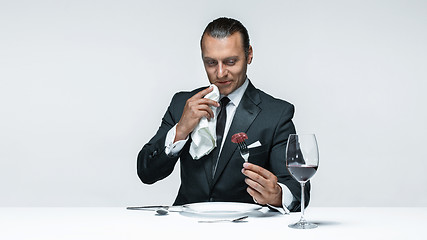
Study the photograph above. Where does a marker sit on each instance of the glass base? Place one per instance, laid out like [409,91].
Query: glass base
[302,225]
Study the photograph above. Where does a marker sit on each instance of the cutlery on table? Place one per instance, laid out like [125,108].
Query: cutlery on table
[240,219]
[240,138]
[149,208]
[160,210]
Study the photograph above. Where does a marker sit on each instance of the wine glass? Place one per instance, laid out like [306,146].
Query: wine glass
[302,160]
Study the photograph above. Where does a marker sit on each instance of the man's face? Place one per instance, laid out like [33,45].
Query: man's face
[225,61]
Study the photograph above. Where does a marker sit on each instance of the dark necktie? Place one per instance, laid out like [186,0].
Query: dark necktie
[220,126]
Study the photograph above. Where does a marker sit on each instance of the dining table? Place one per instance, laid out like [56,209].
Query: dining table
[80,223]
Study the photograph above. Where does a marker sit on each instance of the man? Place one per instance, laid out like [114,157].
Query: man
[222,175]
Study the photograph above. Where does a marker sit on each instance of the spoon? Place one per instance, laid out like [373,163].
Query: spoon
[240,219]
[162,211]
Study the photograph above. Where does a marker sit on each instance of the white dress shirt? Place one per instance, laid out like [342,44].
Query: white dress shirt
[235,97]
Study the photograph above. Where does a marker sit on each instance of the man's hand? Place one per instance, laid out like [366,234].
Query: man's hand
[195,108]
[262,185]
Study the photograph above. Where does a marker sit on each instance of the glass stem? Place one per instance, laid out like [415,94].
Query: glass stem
[302,202]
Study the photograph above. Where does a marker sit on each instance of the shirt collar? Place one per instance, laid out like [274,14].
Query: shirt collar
[237,94]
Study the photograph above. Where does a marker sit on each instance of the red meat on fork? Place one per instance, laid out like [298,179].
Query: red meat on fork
[239,137]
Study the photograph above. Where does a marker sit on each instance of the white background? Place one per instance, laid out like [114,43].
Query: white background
[84,84]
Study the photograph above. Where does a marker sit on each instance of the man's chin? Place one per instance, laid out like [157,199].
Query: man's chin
[224,89]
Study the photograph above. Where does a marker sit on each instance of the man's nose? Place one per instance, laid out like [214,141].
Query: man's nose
[221,71]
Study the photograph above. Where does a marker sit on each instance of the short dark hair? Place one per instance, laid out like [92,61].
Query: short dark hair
[223,27]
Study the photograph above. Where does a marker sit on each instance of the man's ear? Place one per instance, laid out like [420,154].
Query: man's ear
[250,54]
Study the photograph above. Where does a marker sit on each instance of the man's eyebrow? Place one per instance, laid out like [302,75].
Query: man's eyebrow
[225,59]
[232,57]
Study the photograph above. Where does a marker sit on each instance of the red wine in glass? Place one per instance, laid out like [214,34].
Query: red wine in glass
[302,173]
[302,160]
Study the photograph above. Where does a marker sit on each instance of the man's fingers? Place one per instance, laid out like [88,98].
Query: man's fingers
[254,185]
[198,98]
[195,108]
[253,177]
[206,111]
[203,93]
[256,195]
[259,178]
[259,170]
[208,101]
[262,184]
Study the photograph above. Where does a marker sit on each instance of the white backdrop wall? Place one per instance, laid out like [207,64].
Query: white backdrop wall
[84,84]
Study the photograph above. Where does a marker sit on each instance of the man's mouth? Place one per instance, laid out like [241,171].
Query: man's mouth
[223,82]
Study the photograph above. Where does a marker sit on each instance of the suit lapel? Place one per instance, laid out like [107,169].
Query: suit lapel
[245,114]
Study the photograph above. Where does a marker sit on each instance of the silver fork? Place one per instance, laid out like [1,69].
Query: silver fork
[244,151]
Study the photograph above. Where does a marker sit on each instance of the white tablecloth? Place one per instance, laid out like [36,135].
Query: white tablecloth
[119,223]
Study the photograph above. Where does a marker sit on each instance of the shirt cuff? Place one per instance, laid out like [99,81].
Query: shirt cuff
[287,199]
[171,148]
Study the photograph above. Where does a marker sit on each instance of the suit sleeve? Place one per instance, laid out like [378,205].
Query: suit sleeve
[153,164]
[284,128]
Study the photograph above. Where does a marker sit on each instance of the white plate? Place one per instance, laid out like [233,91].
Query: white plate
[220,209]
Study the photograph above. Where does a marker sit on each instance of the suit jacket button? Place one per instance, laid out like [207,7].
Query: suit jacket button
[211,199]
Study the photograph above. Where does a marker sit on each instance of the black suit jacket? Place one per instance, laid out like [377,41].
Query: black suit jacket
[262,117]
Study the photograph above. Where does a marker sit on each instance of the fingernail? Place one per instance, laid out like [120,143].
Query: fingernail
[245,165]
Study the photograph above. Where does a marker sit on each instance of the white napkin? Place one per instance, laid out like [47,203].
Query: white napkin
[204,135]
